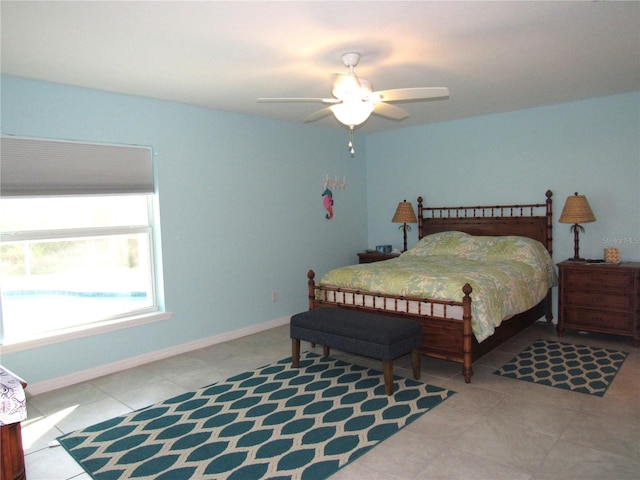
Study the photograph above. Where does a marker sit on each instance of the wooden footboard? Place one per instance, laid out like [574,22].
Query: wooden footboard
[444,337]
[446,325]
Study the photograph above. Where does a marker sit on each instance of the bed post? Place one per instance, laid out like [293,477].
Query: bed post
[312,288]
[549,314]
[419,218]
[467,358]
[549,244]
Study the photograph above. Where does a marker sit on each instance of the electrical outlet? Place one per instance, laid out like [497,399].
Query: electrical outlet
[274,296]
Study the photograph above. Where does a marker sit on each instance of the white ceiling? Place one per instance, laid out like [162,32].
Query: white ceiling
[493,56]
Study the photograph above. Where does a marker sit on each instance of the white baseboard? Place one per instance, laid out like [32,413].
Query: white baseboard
[91,373]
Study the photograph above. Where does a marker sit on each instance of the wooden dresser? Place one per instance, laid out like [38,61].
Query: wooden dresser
[599,297]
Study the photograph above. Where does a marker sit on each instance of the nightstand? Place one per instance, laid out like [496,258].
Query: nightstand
[373,256]
[600,297]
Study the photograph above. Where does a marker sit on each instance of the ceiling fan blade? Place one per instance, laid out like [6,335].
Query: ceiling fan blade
[318,115]
[389,111]
[408,94]
[298,100]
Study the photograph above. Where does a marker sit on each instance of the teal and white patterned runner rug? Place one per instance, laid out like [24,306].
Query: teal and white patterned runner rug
[273,422]
[578,368]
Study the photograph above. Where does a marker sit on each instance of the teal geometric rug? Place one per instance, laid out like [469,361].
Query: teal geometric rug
[578,368]
[275,422]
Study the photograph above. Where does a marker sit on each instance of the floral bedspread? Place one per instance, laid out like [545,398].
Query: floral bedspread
[508,275]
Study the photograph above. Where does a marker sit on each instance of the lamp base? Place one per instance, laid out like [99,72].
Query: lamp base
[576,243]
[404,227]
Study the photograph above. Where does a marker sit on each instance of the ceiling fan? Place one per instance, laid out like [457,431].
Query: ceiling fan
[354,100]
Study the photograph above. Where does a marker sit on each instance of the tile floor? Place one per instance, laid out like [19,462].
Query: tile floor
[494,428]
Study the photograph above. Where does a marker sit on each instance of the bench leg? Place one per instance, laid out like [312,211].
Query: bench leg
[295,352]
[415,363]
[387,369]
[325,351]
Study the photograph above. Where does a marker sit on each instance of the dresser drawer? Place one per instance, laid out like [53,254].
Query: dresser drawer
[591,277]
[609,322]
[602,300]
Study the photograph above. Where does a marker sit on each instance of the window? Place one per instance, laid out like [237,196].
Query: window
[77,237]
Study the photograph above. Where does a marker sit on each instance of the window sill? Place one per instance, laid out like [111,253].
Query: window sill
[84,331]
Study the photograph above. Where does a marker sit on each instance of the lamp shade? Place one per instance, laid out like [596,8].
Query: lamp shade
[404,213]
[577,210]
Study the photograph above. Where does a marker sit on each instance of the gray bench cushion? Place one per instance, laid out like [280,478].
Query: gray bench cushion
[358,332]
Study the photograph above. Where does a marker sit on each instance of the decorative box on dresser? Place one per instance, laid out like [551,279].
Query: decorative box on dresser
[600,297]
[374,256]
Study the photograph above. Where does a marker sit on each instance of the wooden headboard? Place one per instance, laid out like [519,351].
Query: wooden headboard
[530,220]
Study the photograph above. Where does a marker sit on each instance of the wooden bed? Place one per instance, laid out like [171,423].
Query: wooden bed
[444,335]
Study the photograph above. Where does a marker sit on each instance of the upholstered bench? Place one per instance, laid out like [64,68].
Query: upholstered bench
[361,333]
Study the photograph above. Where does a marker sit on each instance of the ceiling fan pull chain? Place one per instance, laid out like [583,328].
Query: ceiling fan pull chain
[350,144]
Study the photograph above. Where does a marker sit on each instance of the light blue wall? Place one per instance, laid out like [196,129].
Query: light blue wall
[591,146]
[240,201]
[240,206]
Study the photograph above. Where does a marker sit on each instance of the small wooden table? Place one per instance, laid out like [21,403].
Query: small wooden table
[371,256]
[12,462]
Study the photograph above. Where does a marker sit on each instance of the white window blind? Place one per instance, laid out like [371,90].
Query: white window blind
[42,167]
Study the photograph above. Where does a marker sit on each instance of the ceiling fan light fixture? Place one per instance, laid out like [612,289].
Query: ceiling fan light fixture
[366,87]
[350,87]
[346,86]
[352,112]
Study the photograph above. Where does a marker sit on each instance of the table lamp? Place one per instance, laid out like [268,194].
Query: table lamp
[404,214]
[576,210]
